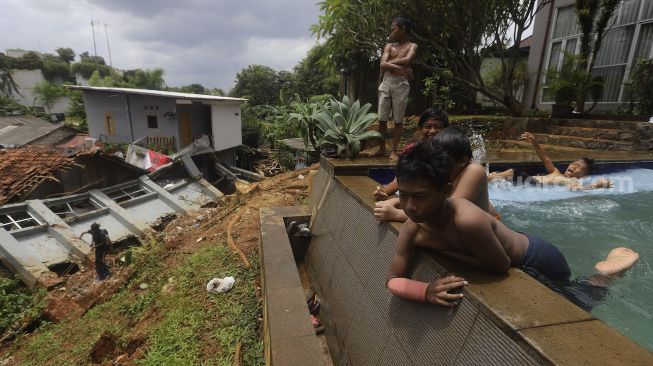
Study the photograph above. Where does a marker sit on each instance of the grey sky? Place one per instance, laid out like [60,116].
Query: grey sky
[195,41]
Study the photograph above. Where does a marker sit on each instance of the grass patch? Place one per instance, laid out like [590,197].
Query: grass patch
[183,326]
[18,304]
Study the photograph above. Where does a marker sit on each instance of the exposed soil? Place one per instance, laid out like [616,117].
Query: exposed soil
[182,236]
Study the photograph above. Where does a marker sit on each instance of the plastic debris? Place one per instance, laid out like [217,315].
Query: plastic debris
[143,286]
[218,285]
[301,176]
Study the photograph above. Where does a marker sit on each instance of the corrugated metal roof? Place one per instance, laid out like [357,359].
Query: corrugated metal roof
[21,130]
[159,93]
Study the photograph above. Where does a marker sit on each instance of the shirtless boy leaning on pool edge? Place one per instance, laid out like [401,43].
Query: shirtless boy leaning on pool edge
[457,228]
[396,72]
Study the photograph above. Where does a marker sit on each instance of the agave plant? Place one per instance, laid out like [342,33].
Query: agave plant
[345,124]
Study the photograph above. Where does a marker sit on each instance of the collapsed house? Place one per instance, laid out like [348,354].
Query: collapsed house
[39,232]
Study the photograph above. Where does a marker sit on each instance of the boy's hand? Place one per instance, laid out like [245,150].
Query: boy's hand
[379,194]
[603,183]
[386,211]
[528,137]
[438,291]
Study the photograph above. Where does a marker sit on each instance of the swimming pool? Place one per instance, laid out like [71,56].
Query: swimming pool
[585,226]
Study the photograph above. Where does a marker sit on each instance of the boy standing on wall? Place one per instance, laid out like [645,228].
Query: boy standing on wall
[395,73]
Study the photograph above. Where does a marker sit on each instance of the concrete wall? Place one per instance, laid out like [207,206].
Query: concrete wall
[226,125]
[25,81]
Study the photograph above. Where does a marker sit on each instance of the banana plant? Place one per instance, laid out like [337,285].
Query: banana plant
[345,125]
[303,114]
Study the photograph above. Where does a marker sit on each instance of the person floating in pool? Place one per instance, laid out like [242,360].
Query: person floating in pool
[468,179]
[430,123]
[459,229]
[570,178]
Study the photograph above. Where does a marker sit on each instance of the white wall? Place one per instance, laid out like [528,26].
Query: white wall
[225,121]
[25,81]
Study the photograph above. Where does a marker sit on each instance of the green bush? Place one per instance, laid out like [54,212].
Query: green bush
[17,303]
[641,87]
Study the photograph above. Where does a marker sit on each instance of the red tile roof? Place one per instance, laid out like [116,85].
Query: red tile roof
[24,168]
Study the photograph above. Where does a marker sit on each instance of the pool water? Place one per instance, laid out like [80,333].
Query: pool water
[585,226]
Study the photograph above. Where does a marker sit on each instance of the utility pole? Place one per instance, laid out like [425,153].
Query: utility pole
[95,46]
[108,48]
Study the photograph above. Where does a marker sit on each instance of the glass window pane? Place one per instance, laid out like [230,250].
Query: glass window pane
[612,79]
[644,43]
[566,22]
[629,11]
[554,57]
[570,47]
[647,12]
[615,47]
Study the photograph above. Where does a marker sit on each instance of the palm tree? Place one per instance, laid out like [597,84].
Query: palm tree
[7,83]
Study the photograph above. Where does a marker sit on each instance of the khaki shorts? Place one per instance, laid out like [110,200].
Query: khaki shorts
[393,98]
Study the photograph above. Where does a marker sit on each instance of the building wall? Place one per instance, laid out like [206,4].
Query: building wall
[630,39]
[226,125]
[25,81]
[98,104]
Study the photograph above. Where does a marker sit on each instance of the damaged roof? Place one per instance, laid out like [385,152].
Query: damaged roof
[26,167]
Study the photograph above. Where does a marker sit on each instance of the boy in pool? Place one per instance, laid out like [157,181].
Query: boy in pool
[570,178]
[459,229]
[468,179]
[432,121]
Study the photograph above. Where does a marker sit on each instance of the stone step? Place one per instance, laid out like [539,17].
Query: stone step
[590,123]
[594,133]
[583,142]
[525,145]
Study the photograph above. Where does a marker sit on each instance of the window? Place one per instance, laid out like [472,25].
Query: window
[152,122]
[109,124]
[18,220]
[629,40]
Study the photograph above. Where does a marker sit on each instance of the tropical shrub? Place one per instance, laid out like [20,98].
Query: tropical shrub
[641,87]
[345,125]
[303,116]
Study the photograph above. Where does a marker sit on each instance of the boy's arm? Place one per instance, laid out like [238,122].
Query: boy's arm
[476,232]
[435,292]
[406,60]
[550,168]
[601,183]
[401,261]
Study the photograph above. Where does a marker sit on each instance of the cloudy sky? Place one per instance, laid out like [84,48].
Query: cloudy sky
[194,41]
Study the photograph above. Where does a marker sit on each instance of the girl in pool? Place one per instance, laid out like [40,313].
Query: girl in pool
[570,178]
[468,179]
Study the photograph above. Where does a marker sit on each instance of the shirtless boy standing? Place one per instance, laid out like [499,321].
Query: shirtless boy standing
[396,72]
[457,228]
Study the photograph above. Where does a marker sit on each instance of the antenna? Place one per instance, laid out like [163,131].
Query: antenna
[108,48]
[94,45]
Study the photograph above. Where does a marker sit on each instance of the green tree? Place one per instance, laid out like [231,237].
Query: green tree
[593,18]
[192,88]
[453,39]
[258,83]
[76,110]
[86,58]
[54,67]
[7,84]
[47,93]
[217,91]
[29,61]
[316,74]
[145,79]
[66,54]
